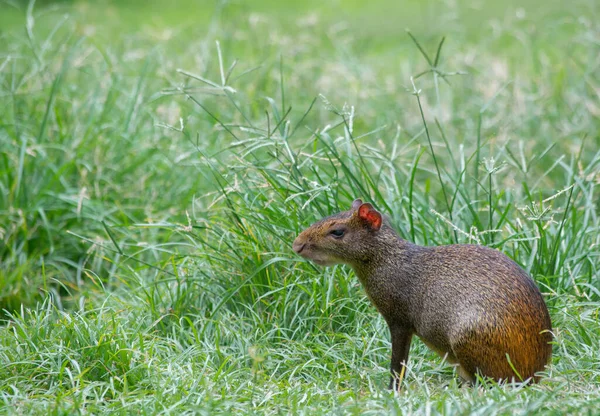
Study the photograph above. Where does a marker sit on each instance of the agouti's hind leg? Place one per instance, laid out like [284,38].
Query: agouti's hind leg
[401,338]
[483,359]
[465,375]
[449,357]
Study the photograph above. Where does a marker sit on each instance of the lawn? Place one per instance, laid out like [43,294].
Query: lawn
[157,159]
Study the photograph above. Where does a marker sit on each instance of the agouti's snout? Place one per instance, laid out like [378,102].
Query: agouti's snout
[298,246]
[471,304]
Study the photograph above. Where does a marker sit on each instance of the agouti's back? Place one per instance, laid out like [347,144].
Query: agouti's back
[471,304]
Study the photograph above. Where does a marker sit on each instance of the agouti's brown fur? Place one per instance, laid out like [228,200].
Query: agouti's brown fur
[471,304]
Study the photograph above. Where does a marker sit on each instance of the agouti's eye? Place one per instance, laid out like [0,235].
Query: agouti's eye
[339,233]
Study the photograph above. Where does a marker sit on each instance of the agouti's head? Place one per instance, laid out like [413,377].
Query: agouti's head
[347,237]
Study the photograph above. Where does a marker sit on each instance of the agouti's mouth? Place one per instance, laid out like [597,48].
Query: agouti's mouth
[307,254]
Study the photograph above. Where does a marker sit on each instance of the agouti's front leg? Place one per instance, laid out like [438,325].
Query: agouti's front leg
[401,338]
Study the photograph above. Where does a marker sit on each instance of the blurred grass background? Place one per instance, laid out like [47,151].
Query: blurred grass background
[157,159]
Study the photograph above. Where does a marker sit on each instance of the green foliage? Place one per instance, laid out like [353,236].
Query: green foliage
[151,185]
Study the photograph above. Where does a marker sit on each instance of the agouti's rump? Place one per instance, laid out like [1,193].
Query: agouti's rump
[483,310]
[471,304]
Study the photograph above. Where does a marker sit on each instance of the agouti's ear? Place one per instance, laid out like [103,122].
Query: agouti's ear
[370,215]
[356,204]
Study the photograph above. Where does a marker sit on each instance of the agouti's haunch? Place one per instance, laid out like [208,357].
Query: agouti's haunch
[471,304]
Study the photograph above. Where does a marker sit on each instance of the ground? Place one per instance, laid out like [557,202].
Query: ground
[157,161]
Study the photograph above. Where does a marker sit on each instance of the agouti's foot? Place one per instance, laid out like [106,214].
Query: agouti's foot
[396,382]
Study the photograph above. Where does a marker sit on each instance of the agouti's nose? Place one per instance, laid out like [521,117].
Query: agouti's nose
[298,246]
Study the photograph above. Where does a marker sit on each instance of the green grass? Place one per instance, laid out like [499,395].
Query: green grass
[152,181]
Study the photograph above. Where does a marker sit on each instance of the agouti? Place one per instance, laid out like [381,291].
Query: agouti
[471,304]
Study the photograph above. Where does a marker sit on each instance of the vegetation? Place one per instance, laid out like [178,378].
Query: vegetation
[156,164]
